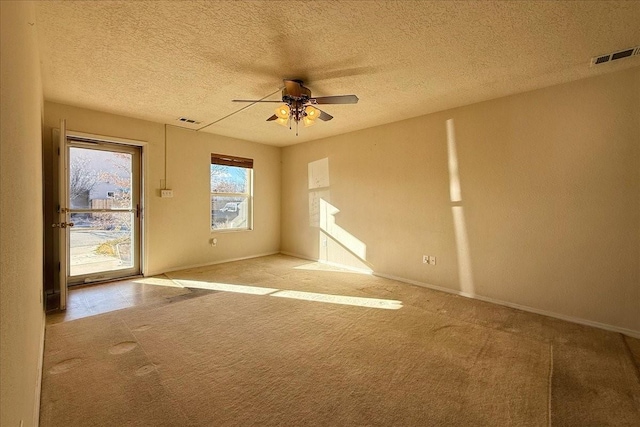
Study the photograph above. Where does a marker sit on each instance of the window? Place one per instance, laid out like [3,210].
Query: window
[231,193]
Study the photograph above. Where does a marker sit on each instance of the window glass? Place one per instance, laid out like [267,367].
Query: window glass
[231,201]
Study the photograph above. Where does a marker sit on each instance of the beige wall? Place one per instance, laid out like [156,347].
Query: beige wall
[21,310]
[547,214]
[177,229]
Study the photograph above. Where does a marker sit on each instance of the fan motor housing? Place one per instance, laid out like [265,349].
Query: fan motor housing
[294,91]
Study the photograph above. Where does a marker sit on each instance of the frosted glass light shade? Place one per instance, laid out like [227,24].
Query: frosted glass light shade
[283,111]
[312,113]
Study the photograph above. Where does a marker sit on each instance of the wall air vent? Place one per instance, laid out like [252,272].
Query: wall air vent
[189,121]
[626,53]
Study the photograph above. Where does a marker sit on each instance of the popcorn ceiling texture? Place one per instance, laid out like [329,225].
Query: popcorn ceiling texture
[163,60]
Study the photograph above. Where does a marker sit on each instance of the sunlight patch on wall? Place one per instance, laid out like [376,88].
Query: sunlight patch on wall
[318,177]
[335,244]
[454,176]
[318,173]
[465,275]
[314,206]
[342,236]
[464,256]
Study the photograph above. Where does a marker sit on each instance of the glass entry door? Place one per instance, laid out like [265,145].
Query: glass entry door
[103,191]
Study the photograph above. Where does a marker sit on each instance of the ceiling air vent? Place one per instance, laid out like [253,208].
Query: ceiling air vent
[190,121]
[633,51]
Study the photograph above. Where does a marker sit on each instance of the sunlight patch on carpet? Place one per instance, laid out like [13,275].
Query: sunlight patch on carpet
[324,266]
[158,281]
[227,287]
[385,304]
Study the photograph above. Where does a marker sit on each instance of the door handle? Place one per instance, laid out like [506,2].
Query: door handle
[62,224]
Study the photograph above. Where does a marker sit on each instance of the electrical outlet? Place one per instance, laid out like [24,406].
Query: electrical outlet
[213,242]
[427,259]
[166,193]
[324,242]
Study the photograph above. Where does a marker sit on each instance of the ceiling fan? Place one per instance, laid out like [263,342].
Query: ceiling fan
[298,105]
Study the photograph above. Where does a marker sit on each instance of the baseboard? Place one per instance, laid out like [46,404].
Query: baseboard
[605,326]
[36,410]
[206,264]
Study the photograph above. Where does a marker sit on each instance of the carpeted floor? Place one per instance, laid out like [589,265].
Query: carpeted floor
[283,341]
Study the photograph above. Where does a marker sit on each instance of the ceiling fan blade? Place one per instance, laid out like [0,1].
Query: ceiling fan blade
[325,117]
[253,100]
[272,118]
[338,99]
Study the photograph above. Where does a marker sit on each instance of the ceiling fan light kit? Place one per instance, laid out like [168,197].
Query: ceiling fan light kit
[282,121]
[308,122]
[299,106]
[312,113]
[283,111]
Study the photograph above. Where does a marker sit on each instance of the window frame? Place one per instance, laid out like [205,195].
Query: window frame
[236,162]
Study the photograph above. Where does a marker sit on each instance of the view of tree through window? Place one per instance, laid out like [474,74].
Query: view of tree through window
[231,201]
[100,186]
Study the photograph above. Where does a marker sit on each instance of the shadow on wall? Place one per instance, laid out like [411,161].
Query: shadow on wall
[465,275]
[335,244]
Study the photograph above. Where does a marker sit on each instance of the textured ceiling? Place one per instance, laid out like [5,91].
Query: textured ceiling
[162,60]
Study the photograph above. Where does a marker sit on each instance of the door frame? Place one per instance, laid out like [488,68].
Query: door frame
[142,146]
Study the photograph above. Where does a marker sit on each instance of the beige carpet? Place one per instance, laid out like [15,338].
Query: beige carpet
[281,341]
